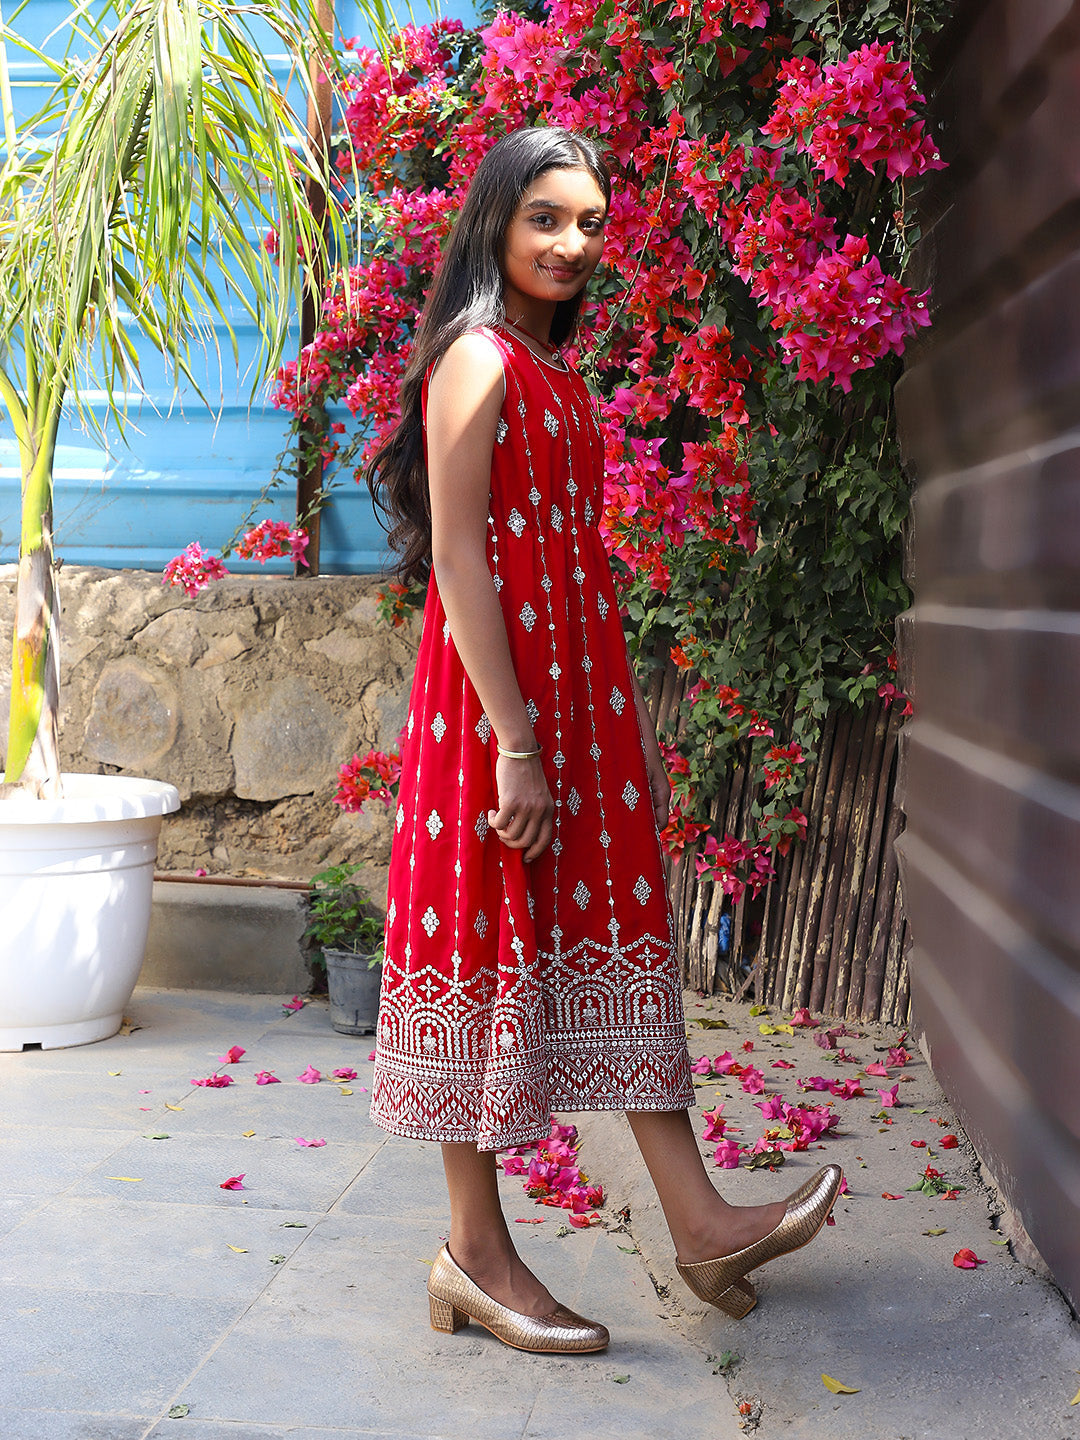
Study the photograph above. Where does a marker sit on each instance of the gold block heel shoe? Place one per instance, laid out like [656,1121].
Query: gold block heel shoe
[455,1300]
[722,1282]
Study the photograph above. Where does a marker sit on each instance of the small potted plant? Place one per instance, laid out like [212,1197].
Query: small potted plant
[350,935]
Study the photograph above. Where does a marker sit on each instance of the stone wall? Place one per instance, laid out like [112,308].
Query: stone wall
[247,698]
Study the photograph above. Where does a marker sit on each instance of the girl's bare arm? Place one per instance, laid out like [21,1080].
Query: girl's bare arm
[464,399]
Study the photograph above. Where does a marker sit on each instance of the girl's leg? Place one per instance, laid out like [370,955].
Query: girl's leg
[480,1241]
[703,1225]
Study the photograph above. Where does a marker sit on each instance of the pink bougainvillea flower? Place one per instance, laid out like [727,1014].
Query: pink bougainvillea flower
[877,1069]
[234,1182]
[294,1004]
[703,1066]
[232,1055]
[372,1055]
[771,1109]
[813,1082]
[310,1076]
[888,1097]
[846,1089]
[193,569]
[966,1260]
[802,1017]
[312,1144]
[948,1142]
[513,1165]
[753,1081]
[898,1056]
[715,1124]
[782,1065]
[582,1222]
[264,1077]
[214,1082]
[726,1154]
[748,1045]
[345,1074]
[723,1063]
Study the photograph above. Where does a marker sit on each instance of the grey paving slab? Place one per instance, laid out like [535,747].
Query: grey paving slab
[65,1425]
[228,1430]
[15,1208]
[126,1247]
[91,1099]
[39,1161]
[353,1304]
[400,1169]
[290,1108]
[278,1173]
[118,1355]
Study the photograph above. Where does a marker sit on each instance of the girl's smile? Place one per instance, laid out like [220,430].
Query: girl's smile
[553,244]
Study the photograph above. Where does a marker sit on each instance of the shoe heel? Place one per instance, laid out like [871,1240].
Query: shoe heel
[737,1300]
[445,1317]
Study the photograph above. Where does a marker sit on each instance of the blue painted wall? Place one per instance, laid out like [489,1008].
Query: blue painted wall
[186,472]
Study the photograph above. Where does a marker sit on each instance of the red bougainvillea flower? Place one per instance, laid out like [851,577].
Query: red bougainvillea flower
[264,1077]
[782,1065]
[234,1182]
[214,1082]
[918,1144]
[948,1142]
[310,1076]
[886,1196]
[967,1260]
[232,1055]
[294,1004]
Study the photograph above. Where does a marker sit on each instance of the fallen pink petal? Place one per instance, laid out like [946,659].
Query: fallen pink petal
[877,1069]
[723,1063]
[232,1055]
[311,1144]
[214,1082]
[234,1182]
[702,1066]
[888,1097]
[372,1055]
[294,1004]
[967,1260]
[344,1074]
[310,1076]
[802,1017]
[783,1065]
[264,1077]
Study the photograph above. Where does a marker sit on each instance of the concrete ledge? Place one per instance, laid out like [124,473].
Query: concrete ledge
[225,937]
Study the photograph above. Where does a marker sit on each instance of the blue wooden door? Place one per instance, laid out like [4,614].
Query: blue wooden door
[187,471]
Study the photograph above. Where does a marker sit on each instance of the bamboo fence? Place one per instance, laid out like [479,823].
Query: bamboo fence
[829,932]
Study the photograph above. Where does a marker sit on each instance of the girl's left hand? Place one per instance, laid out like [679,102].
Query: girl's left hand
[659,785]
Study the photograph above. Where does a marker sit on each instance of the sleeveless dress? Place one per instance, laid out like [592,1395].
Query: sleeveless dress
[510,990]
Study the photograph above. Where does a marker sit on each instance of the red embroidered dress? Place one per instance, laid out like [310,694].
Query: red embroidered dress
[512,990]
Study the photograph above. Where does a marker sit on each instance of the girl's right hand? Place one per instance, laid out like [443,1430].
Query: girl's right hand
[524,819]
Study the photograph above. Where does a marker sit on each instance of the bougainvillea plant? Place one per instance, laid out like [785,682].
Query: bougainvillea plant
[742,339]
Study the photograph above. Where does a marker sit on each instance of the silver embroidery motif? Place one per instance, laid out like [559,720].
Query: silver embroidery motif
[555,672]
[534,496]
[605,839]
[483,728]
[581,894]
[532,712]
[642,889]
[409,727]
[573,800]
[556,519]
[650,1011]
[590,1015]
[481,827]
[391,914]
[551,425]
[630,795]
[594,750]
[617,700]
[558,759]
[602,606]
[438,726]
[434,823]
[446,632]
[516,522]
[579,575]
[480,925]
[527,617]
[501,431]
[399,818]
[588,512]
[430,921]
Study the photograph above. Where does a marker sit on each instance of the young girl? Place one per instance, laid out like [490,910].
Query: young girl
[529,961]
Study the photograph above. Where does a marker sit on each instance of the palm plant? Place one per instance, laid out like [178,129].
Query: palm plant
[149,176]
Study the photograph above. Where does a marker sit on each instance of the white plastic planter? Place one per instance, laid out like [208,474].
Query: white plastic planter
[76,882]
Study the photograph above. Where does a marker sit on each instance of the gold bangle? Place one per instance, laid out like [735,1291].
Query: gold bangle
[520,754]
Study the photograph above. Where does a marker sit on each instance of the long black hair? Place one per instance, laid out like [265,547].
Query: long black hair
[467,292]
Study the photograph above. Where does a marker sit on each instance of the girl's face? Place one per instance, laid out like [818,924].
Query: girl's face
[553,243]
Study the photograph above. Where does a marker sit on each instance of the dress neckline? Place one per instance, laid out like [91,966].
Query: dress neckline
[562,369]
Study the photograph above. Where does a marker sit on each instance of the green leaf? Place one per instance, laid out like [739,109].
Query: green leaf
[177,1412]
